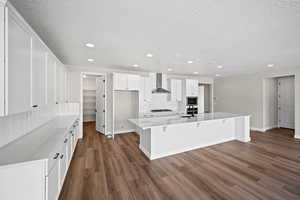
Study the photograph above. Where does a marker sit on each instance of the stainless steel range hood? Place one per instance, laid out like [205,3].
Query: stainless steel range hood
[159,89]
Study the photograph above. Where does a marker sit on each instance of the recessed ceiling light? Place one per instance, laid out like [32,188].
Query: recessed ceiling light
[135,65]
[84,76]
[190,62]
[270,65]
[90,45]
[196,72]
[149,55]
[91,60]
[169,69]
[217,75]
[220,67]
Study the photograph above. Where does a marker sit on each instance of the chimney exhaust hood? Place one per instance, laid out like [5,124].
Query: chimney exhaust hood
[159,89]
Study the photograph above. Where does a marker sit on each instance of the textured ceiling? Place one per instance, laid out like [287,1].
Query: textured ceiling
[244,36]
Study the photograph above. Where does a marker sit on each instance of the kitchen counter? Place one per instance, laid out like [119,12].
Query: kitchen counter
[37,144]
[169,135]
[149,122]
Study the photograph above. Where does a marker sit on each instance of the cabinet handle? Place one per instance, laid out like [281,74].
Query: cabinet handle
[62,155]
[66,140]
[56,156]
[35,106]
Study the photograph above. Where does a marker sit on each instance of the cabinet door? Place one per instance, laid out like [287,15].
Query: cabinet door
[18,68]
[173,88]
[179,90]
[191,87]
[63,164]
[38,74]
[120,81]
[2,54]
[148,89]
[53,182]
[60,82]
[51,68]
[133,82]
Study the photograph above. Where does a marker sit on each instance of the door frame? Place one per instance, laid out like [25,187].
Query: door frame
[81,95]
[275,76]
[278,106]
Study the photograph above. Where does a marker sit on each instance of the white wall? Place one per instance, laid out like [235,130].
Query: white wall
[245,94]
[270,103]
[241,95]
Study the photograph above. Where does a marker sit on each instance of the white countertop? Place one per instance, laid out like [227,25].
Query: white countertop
[149,122]
[37,144]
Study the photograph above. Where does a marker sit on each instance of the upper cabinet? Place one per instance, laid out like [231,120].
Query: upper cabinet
[18,66]
[60,83]
[51,75]
[176,89]
[38,73]
[126,81]
[192,88]
[28,75]
[2,56]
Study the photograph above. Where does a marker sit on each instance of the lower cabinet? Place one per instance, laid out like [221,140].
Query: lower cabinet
[44,177]
[52,181]
[63,164]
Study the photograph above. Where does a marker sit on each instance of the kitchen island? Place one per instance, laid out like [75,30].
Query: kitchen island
[164,136]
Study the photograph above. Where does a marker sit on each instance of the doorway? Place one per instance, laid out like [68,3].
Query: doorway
[286,102]
[94,101]
[279,102]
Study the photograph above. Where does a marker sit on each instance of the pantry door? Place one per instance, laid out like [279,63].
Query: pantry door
[100,105]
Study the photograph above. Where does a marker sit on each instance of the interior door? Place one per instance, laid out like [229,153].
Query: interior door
[100,104]
[286,102]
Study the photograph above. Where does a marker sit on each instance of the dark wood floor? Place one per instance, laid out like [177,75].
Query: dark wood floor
[266,168]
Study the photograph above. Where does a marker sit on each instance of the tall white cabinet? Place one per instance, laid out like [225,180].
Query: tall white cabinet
[17,66]
[31,76]
[2,58]
[38,69]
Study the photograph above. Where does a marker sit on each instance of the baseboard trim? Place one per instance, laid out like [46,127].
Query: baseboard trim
[124,131]
[257,129]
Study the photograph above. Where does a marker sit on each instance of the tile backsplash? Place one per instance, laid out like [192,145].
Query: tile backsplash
[14,126]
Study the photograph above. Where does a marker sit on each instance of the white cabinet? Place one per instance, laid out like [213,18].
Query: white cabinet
[145,94]
[2,64]
[27,67]
[51,82]
[18,67]
[126,81]
[63,164]
[192,88]
[120,81]
[133,82]
[53,180]
[176,90]
[38,74]
[60,83]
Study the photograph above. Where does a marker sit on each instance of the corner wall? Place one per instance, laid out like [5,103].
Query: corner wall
[245,94]
[240,95]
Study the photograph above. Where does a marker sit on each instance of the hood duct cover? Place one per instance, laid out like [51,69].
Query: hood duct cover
[159,89]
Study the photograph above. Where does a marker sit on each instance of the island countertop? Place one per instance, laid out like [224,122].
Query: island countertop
[145,123]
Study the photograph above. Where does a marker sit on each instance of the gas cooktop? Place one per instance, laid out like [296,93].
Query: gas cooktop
[161,110]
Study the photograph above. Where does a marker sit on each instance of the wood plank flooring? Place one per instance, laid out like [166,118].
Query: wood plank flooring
[266,168]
